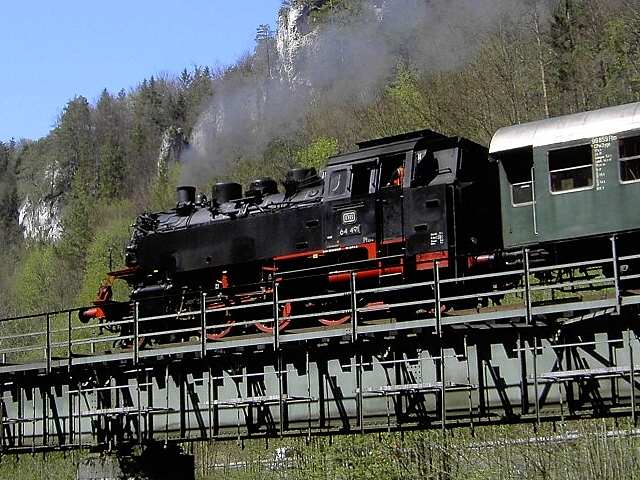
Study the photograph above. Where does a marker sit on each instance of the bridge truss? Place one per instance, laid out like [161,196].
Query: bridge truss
[545,343]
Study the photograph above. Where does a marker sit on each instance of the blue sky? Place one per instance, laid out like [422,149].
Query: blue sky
[53,50]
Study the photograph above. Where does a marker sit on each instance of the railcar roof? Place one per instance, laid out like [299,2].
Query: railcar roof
[385,146]
[578,126]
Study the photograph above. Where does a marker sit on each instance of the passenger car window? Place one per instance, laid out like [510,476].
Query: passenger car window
[338,182]
[629,154]
[521,194]
[571,169]
[517,167]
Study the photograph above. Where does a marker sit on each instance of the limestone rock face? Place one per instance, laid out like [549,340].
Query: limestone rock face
[298,38]
[313,55]
[40,212]
[294,36]
[40,220]
[173,142]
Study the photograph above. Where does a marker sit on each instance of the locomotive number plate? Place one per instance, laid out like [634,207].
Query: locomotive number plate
[350,230]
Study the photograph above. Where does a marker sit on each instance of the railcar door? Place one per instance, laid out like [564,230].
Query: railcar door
[390,195]
[350,208]
[426,222]
[520,225]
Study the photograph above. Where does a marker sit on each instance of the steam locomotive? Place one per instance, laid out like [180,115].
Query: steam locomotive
[390,211]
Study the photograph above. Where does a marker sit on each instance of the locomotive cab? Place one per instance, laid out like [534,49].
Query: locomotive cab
[454,189]
[422,195]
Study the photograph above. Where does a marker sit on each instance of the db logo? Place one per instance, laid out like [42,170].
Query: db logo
[349,217]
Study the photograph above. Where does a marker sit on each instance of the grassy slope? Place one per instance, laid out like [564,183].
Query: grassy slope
[487,453]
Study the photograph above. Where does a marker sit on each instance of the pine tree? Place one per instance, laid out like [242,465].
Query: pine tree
[110,129]
[79,169]
[9,204]
[264,45]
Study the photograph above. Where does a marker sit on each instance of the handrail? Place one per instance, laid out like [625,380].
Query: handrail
[54,338]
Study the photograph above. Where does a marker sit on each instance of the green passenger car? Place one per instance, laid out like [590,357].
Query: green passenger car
[570,177]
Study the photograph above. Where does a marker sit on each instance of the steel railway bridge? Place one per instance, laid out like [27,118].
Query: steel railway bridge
[558,343]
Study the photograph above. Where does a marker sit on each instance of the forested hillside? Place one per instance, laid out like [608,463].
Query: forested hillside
[333,73]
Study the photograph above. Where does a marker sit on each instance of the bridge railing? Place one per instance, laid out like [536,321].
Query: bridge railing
[205,320]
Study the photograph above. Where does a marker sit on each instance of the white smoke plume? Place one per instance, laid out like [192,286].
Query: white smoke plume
[348,62]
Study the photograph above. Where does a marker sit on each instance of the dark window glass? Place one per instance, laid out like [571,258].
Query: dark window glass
[629,147]
[426,168]
[629,153]
[571,168]
[338,182]
[392,170]
[517,166]
[364,179]
[521,194]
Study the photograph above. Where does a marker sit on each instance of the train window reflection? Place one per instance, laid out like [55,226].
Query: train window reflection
[338,182]
[571,169]
[629,154]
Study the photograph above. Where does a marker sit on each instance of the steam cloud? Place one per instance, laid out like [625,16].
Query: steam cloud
[345,64]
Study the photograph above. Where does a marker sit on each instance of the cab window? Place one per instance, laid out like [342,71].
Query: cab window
[338,181]
[425,168]
[364,178]
[392,170]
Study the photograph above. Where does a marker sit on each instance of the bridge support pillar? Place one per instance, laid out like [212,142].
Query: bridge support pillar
[152,462]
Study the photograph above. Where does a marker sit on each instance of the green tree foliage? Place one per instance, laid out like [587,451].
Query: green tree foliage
[110,125]
[9,205]
[40,284]
[163,189]
[79,167]
[106,251]
[595,59]
[317,153]
[333,11]
[149,121]
[75,145]
[194,90]
[38,172]
[10,234]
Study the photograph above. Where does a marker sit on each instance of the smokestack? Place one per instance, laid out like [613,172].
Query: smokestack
[186,194]
[186,199]
[224,192]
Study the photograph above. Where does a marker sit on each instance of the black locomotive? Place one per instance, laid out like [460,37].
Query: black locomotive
[390,210]
[421,195]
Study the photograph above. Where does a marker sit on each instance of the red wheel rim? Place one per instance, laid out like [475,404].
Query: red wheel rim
[373,306]
[285,320]
[338,321]
[221,333]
